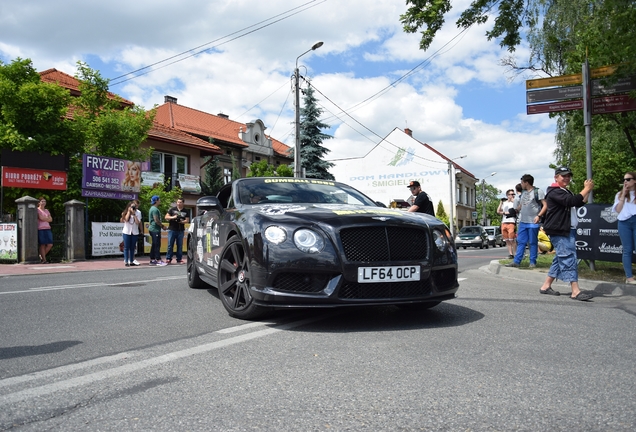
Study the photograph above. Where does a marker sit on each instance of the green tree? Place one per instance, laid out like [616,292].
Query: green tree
[312,151]
[489,195]
[263,169]
[213,176]
[441,213]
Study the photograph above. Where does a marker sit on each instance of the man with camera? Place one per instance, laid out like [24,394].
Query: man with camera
[177,217]
[509,221]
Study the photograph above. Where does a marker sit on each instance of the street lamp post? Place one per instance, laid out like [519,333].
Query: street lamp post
[483,199]
[297,164]
[451,175]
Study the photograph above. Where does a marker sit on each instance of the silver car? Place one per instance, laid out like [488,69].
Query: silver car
[495,238]
[474,236]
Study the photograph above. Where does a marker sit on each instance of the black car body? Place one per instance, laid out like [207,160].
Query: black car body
[293,242]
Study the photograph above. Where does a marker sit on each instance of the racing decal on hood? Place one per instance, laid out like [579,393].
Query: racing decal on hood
[280,209]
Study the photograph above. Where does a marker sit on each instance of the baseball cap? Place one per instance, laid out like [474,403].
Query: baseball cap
[154,199]
[562,171]
[414,184]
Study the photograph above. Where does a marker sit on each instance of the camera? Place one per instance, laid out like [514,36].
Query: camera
[134,207]
[504,199]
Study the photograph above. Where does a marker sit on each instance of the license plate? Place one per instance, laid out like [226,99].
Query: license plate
[388,274]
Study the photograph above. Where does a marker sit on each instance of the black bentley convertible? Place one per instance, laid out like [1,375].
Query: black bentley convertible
[291,242]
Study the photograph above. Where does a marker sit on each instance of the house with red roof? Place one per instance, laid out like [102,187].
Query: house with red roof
[242,143]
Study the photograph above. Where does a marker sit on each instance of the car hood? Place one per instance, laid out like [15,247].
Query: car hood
[468,236]
[340,215]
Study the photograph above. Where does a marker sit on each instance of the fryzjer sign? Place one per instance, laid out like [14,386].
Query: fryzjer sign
[33,178]
[112,177]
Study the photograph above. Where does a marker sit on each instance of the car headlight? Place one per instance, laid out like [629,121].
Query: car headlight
[440,240]
[308,241]
[477,238]
[275,234]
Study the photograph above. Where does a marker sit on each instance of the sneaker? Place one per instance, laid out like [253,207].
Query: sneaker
[532,265]
[127,264]
[135,263]
[511,257]
[630,282]
[512,264]
[169,261]
[161,263]
[152,262]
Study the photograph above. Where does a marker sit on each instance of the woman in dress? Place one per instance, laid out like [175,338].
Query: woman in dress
[625,206]
[45,235]
[130,232]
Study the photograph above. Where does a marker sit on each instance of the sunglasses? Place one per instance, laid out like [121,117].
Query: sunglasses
[628,179]
[413,187]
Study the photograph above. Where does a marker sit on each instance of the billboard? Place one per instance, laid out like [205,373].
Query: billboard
[33,178]
[597,234]
[110,175]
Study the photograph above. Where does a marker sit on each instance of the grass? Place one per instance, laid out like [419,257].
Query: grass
[604,270]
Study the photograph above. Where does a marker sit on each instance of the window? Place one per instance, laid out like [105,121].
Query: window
[227,175]
[170,165]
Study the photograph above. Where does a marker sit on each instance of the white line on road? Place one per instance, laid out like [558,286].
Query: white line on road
[132,367]
[91,285]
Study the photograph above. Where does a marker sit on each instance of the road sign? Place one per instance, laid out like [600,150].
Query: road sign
[554,107]
[613,104]
[569,79]
[555,94]
[623,85]
[554,81]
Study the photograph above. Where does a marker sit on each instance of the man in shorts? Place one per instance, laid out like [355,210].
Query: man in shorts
[509,222]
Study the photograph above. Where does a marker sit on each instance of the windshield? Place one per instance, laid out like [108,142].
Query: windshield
[470,230]
[295,190]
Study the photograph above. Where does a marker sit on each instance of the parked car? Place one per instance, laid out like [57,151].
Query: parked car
[268,243]
[495,238]
[474,236]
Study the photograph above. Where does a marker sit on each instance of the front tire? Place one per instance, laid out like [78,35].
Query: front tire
[234,282]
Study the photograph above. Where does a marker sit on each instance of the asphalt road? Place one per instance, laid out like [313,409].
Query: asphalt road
[117,350]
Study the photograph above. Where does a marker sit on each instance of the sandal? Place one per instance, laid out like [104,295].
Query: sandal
[549,291]
[582,296]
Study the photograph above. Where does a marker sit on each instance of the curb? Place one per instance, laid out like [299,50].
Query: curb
[601,287]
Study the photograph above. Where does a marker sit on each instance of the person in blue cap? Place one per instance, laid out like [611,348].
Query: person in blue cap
[154,228]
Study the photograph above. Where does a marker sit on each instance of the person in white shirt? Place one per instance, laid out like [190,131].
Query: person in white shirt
[625,206]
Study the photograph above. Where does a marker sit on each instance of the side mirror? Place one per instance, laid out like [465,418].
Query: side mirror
[207,203]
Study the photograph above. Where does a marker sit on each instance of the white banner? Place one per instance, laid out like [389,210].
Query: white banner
[9,241]
[106,238]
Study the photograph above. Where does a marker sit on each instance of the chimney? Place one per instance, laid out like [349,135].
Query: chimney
[409,132]
[225,116]
[169,99]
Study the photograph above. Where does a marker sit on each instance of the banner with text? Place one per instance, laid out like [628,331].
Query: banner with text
[112,175]
[106,238]
[33,178]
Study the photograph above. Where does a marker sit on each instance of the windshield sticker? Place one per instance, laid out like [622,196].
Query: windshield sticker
[280,209]
[294,180]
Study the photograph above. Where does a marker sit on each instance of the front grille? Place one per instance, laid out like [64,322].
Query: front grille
[374,244]
[301,282]
[384,290]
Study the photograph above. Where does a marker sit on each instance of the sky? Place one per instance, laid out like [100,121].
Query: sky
[238,57]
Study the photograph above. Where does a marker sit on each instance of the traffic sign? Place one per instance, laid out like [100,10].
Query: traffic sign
[613,104]
[622,85]
[554,94]
[554,81]
[554,107]
[569,79]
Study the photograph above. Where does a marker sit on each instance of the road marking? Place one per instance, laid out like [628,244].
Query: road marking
[91,378]
[91,285]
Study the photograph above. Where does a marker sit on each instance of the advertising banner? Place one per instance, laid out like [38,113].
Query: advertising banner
[9,242]
[597,234]
[106,238]
[190,183]
[164,240]
[110,174]
[152,179]
[33,178]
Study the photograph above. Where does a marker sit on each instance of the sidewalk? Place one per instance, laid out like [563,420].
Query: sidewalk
[66,267]
[538,276]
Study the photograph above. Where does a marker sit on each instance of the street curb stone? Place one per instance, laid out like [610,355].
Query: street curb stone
[534,275]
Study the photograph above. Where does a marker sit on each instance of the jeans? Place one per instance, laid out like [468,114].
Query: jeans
[627,233]
[527,233]
[172,237]
[129,247]
[155,248]
[564,265]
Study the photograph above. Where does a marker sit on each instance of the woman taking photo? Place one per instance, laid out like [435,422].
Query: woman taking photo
[625,206]
[130,232]
[45,235]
